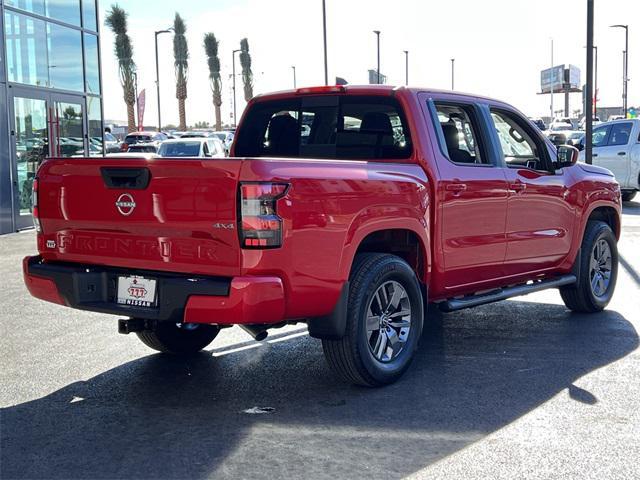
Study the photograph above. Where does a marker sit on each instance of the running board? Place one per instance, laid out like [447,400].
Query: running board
[502,294]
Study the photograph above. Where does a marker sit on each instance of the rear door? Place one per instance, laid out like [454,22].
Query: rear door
[472,192]
[172,215]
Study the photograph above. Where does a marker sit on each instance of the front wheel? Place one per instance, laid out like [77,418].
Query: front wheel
[178,338]
[598,271]
[384,322]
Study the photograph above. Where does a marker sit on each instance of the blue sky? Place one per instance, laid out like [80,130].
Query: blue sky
[500,47]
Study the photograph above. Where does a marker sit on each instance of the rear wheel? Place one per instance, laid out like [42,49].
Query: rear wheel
[384,322]
[178,338]
[598,271]
[629,195]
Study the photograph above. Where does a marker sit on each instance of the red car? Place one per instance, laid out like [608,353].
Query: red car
[347,208]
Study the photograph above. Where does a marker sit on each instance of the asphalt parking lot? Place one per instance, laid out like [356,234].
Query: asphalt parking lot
[518,389]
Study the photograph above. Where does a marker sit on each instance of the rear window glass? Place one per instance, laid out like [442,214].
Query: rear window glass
[179,149]
[137,138]
[341,127]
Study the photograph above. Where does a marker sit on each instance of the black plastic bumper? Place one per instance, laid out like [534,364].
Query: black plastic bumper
[94,288]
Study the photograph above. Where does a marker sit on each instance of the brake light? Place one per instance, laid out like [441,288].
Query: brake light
[324,89]
[34,203]
[124,147]
[260,225]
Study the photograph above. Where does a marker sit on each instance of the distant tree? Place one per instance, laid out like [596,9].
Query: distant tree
[116,20]
[201,124]
[213,61]
[181,65]
[247,75]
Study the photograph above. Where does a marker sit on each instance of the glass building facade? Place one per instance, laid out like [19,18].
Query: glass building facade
[50,94]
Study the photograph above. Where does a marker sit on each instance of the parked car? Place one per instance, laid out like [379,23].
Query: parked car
[558,132]
[538,122]
[194,135]
[353,232]
[616,147]
[111,143]
[583,122]
[192,147]
[142,137]
[226,137]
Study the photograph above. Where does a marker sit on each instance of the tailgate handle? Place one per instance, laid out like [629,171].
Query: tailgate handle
[129,178]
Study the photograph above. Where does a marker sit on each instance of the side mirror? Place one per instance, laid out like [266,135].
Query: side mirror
[567,156]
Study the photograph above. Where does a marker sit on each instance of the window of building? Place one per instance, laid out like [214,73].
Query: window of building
[67,11]
[94,121]
[26,43]
[89,17]
[65,58]
[91,67]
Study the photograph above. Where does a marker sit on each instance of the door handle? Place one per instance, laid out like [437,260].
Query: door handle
[594,154]
[456,187]
[622,153]
[517,186]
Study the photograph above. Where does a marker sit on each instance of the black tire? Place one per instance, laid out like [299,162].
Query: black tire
[351,357]
[580,297]
[628,195]
[168,337]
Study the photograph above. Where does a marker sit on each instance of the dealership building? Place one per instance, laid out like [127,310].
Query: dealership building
[50,94]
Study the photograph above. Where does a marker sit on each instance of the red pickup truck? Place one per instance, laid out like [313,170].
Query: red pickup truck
[346,208]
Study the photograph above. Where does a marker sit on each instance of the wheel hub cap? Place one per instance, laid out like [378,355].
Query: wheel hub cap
[388,321]
[600,268]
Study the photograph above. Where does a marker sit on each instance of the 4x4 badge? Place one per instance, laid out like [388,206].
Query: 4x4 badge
[125,204]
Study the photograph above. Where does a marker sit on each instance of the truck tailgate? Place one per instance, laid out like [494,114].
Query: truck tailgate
[151,214]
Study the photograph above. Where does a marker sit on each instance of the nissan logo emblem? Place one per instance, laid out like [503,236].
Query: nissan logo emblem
[125,204]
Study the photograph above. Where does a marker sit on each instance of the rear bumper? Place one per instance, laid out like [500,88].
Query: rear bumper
[181,298]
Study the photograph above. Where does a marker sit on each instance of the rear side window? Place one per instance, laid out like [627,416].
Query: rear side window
[460,134]
[137,138]
[345,127]
[620,133]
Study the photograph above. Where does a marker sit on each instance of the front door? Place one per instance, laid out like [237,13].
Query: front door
[42,125]
[539,218]
[614,154]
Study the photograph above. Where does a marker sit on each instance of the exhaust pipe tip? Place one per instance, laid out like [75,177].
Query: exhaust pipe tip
[258,332]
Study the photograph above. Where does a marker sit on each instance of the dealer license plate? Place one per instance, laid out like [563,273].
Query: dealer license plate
[137,291]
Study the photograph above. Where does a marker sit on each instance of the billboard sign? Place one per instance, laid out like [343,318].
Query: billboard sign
[551,78]
[574,76]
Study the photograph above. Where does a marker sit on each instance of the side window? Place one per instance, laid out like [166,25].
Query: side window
[519,146]
[600,136]
[460,134]
[205,149]
[620,134]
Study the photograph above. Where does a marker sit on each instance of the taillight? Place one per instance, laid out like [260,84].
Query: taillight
[124,147]
[34,204]
[260,225]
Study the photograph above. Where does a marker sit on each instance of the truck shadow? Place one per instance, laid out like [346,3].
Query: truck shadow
[158,417]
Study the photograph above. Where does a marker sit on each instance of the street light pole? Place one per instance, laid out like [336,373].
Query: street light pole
[625,66]
[324,33]
[453,62]
[235,122]
[135,87]
[294,75]
[377,32]
[595,87]
[158,75]
[406,67]
[552,82]
[588,136]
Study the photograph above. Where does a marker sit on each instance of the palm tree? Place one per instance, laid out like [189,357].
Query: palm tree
[247,75]
[181,64]
[211,49]
[116,20]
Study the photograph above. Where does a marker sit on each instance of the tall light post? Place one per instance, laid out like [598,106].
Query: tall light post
[293,67]
[406,67]
[588,135]
[625,66]
[453,70]
[235,122]
[159,32]
[324,33]
[377,32]
[552,82]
